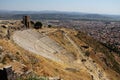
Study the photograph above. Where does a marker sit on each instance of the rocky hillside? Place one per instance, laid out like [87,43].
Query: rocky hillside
[59,52]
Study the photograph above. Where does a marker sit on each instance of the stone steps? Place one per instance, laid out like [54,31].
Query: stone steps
[37,43]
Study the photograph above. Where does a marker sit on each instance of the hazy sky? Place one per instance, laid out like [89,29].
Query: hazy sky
[90,6]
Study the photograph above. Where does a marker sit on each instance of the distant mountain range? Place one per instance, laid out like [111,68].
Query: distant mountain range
[56,15]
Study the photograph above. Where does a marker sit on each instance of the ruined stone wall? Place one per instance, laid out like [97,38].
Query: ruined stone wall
[7,74]
[26,21]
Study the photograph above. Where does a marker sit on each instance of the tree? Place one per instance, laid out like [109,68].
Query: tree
[38,25]
[49,26]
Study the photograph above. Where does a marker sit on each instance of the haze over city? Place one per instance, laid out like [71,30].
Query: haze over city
[87,6]
[59,39]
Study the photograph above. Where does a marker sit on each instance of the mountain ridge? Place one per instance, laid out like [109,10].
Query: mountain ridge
[72,15]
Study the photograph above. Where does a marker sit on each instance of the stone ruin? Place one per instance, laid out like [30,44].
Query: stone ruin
[7,73]
[54,78]
[26,21]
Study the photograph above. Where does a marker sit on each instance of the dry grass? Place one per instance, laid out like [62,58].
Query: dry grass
[81,41]
[41,66]
[25,60]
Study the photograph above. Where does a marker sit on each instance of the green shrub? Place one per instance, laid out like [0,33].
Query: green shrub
[36,78]
[49,26]
[87,53]
[38,25]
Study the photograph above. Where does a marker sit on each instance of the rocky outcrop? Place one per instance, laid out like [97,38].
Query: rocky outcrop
[7,73]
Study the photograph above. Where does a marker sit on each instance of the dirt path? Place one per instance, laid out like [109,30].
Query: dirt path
[95,71]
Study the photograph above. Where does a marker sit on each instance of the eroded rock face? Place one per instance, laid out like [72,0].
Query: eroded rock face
[3,31]
[7,27]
